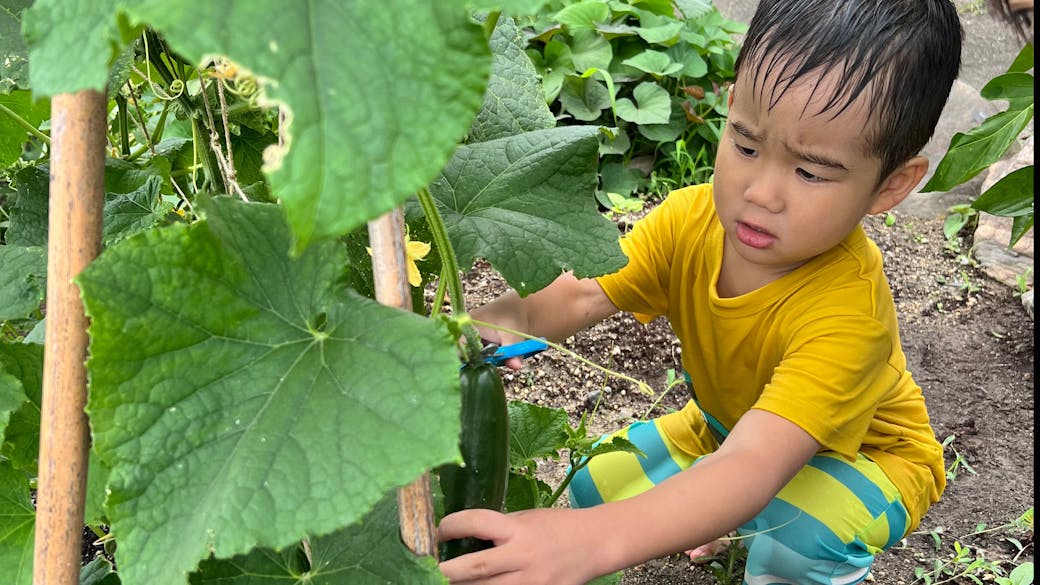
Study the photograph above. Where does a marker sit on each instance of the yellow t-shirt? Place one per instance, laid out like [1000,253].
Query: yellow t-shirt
[819,346]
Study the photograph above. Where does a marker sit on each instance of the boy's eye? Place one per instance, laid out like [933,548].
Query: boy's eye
[744,150]
[804,174]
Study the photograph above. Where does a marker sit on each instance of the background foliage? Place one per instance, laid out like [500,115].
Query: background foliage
[652,73]
[971,152]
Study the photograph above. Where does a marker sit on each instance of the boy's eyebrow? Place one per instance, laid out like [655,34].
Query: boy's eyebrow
[816,159]
[744,131]
[810,157]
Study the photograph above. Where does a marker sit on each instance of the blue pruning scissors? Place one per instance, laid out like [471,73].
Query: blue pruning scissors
[496,355]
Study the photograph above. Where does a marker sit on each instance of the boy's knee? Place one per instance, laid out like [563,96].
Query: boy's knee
[770,561]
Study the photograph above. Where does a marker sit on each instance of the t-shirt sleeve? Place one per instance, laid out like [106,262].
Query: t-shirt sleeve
[830,381]
[641,287]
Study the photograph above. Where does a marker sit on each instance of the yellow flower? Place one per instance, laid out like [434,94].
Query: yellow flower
[413,252]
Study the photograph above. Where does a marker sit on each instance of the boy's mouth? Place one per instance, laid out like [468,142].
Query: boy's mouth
[754,236]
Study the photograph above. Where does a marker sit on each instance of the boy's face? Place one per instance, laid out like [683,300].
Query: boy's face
[791,182]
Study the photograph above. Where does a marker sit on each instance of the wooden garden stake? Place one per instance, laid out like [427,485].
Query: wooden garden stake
[74,239]
[390,272]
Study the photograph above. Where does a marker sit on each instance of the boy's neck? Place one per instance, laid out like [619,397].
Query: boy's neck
[739,277]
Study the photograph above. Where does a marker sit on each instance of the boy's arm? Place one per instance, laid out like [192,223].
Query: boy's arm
[556,312]
[563,547]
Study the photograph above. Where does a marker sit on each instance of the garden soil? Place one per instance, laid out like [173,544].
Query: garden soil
[969,343]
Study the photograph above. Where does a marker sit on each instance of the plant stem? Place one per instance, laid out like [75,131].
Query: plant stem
[210,165]
[438,295]
[124,131]
[646,414]
[25,124]
[451,272]
[566,481]
[643,386]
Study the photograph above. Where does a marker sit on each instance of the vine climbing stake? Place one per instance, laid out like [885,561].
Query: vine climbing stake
[390,272]
[77,198]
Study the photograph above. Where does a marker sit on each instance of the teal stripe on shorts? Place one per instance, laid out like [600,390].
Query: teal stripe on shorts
[658,464]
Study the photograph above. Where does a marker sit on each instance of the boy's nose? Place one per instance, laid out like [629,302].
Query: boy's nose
[765,193]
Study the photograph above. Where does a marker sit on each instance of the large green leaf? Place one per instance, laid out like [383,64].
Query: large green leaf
[126,177]
[378,93]
[97,483]
[513,102]
[49,24]
[132,201]
[12,134]
[1024,61]
[21,375]
[583,15]
[556,63]
[17,520]
[972,151]
[652,105]
[693,8]
[11,398]
[14,58]
[535,432]
[29,212]
[664,33]
[21,445]
[1015,87]
[22,281]
[655,63]
[584,97]
[590,51]
[98,572]
[367,553]
[242,397]
[130,213]
[249,146]
[524,493]
[693,64]
[1011,196]
[526,204]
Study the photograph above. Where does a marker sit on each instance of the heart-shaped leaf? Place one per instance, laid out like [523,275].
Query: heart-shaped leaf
[242,397]
[526,203]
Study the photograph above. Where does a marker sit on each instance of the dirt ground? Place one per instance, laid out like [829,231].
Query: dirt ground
[970,346]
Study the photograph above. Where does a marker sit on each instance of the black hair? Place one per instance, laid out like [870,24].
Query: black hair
[904,53]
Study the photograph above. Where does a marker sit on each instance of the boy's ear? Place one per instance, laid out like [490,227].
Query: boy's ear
[895,188]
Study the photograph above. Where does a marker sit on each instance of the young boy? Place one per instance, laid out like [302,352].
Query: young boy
[806,433]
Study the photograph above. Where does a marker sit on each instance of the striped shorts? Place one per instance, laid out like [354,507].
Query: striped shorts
[824,527]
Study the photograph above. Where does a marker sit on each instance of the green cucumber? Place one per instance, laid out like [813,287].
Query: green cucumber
[484,443]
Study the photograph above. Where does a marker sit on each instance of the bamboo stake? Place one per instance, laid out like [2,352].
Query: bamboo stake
[390,271]
[74,239]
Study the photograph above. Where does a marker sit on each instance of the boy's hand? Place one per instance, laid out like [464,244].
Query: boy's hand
[532,547]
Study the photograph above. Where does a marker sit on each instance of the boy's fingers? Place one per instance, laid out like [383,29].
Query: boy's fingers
[476,523]
[485,566]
